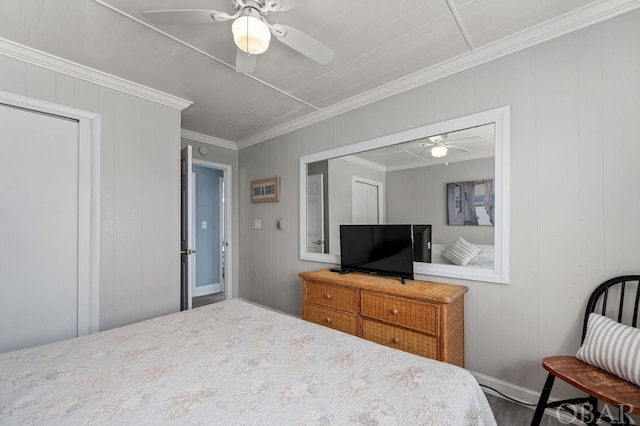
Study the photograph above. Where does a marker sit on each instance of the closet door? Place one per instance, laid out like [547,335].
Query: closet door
[365,203]
[38,228]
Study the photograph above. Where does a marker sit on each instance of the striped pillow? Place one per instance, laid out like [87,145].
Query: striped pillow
[461,252]
[613,347]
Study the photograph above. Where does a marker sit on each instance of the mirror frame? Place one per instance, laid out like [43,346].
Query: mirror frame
[501,117]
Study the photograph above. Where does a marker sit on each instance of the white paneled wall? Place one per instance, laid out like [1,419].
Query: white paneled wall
[139,194]
[575,221]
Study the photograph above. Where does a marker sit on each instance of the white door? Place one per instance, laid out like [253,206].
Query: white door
[315,214]
[366,207]
[39,205]
[186,229]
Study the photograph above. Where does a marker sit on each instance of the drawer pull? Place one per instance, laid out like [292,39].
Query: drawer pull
[328,296]
[394,311]
[328,320]
[396,340]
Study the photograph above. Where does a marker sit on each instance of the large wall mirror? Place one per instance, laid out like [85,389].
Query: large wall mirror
[452,175]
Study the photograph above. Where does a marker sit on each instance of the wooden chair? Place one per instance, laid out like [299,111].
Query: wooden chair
[600,385]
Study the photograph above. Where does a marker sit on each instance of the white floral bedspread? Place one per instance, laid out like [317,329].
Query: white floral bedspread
[232,363]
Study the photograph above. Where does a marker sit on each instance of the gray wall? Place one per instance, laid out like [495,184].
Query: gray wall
[574,220]
[419,196]
[139,194]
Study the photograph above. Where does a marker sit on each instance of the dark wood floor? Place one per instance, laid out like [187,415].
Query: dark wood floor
[196,302]
[509,413]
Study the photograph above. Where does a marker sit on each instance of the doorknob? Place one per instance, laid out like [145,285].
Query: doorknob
[317,242]
[187,252]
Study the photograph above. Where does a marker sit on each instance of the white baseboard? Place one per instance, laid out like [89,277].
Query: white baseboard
[519,393]
[203,290]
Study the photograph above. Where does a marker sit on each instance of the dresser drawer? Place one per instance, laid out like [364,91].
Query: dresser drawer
[345,299]
[420,316]
[337,320]
[400,338]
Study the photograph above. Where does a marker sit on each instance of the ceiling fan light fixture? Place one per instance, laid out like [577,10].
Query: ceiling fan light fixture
[250,34]
[439,151]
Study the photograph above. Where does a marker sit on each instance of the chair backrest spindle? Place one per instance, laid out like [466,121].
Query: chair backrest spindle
[621,304]
[601,295]
[634,321]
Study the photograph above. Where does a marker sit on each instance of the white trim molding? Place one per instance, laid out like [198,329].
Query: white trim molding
[199,137]
[63,66]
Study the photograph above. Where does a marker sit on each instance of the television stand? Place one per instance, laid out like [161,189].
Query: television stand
[424,318]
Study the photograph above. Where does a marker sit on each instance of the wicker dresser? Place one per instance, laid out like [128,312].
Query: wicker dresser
[420,317]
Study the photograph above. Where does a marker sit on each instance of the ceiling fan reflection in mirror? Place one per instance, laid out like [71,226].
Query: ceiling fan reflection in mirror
[439,145]
[251,31]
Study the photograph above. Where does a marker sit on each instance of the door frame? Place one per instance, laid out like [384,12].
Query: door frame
[88,202]
[227,174]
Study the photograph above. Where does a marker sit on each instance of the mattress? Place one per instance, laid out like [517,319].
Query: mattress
[232,363]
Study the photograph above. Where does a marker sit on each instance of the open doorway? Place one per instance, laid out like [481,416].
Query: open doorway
[206,222]
[208,234]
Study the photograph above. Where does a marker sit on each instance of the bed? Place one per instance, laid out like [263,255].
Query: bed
[232,363]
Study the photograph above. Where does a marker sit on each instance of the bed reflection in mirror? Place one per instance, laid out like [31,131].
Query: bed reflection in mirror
[412,182]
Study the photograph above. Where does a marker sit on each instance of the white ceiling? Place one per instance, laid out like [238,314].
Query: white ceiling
[381,46]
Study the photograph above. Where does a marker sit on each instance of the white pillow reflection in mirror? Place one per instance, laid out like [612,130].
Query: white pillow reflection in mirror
[461,252]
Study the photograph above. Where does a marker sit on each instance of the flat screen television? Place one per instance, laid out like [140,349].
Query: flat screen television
[377,249]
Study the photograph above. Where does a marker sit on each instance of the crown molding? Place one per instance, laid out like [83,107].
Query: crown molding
[565,24]
[366,163]
[63,66]
[199,137]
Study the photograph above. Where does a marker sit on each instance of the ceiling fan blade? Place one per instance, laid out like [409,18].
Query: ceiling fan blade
[423,151]
[303,43]
[462,139]
[458,148]
[185,16]
[245,62]
[412,153]
[282,5]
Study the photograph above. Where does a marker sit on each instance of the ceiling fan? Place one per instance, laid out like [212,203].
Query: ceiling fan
[440,144]
[251,31]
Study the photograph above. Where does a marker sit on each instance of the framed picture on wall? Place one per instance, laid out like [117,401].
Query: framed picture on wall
[265,190]
[471,202]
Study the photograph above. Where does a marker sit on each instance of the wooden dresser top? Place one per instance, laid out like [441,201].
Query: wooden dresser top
[425,290]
